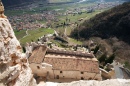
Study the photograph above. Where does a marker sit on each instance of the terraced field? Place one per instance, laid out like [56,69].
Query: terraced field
[33,35]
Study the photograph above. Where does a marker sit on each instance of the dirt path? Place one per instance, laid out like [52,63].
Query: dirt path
[25,35]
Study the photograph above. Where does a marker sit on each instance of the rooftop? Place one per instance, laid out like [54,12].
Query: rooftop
[76,63]
[65,60]
[38,54]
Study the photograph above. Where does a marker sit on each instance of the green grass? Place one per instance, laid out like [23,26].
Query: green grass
[56,42]
[35,34]
[74,41]
[68,30]
[17,12]
[127,64]
[20,34]
[76,17]
[62,30]
[72,20]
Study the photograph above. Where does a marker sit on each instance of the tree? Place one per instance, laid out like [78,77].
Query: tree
[64,24]
[102,58]
[96,49]
[110,59]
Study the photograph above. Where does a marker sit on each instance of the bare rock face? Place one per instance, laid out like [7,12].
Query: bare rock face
[14,66]
[111,82]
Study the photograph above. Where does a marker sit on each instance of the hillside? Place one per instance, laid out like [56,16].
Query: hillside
[10,3]
[114,22]
[110,29]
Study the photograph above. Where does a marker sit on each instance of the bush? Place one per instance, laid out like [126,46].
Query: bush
[102,58]
[96,49]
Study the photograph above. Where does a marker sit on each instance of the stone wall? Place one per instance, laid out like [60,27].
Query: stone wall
[50,74]
[79,75]
[67,52]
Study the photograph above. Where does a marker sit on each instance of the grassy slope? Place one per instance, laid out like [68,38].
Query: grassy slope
[114,27]
[74,19]
[20,34]
[35,34]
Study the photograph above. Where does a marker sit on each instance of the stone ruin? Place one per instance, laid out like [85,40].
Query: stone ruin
[31,46]
[68,52]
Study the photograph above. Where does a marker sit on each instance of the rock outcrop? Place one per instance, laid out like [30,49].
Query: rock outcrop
[14,66]
[112,82]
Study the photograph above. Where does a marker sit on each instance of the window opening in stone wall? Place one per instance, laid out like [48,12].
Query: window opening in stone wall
[60,71]
[90,79]
[38,67]
[82,72]
[82,78]
[96,79]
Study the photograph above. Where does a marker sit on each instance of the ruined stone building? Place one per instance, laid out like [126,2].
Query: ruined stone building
[64,66]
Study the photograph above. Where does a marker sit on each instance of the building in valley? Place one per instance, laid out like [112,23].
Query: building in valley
[64,66]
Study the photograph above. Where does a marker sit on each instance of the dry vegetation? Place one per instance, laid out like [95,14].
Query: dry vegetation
[116,46]
[113,29]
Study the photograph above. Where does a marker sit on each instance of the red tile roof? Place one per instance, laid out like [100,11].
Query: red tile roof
[38,54]
[68,63]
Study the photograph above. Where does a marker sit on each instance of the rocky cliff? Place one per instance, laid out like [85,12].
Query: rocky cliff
[112,82]
[14,66]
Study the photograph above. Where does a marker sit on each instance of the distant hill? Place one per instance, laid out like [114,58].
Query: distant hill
[62,1]
[9,3]
[112,23]
[111,30]
[18,3]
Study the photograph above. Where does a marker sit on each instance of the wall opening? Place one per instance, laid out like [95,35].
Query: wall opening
[38,67]
[82,72]
[96,79]
[57,77]
[90,78]
[82,78]
[60,71]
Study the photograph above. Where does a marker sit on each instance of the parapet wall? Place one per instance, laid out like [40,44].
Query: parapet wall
[60,51]
[75,53]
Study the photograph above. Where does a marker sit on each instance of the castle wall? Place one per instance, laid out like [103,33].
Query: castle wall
[61,75]
[75,53]
[79,75]
[40,70]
